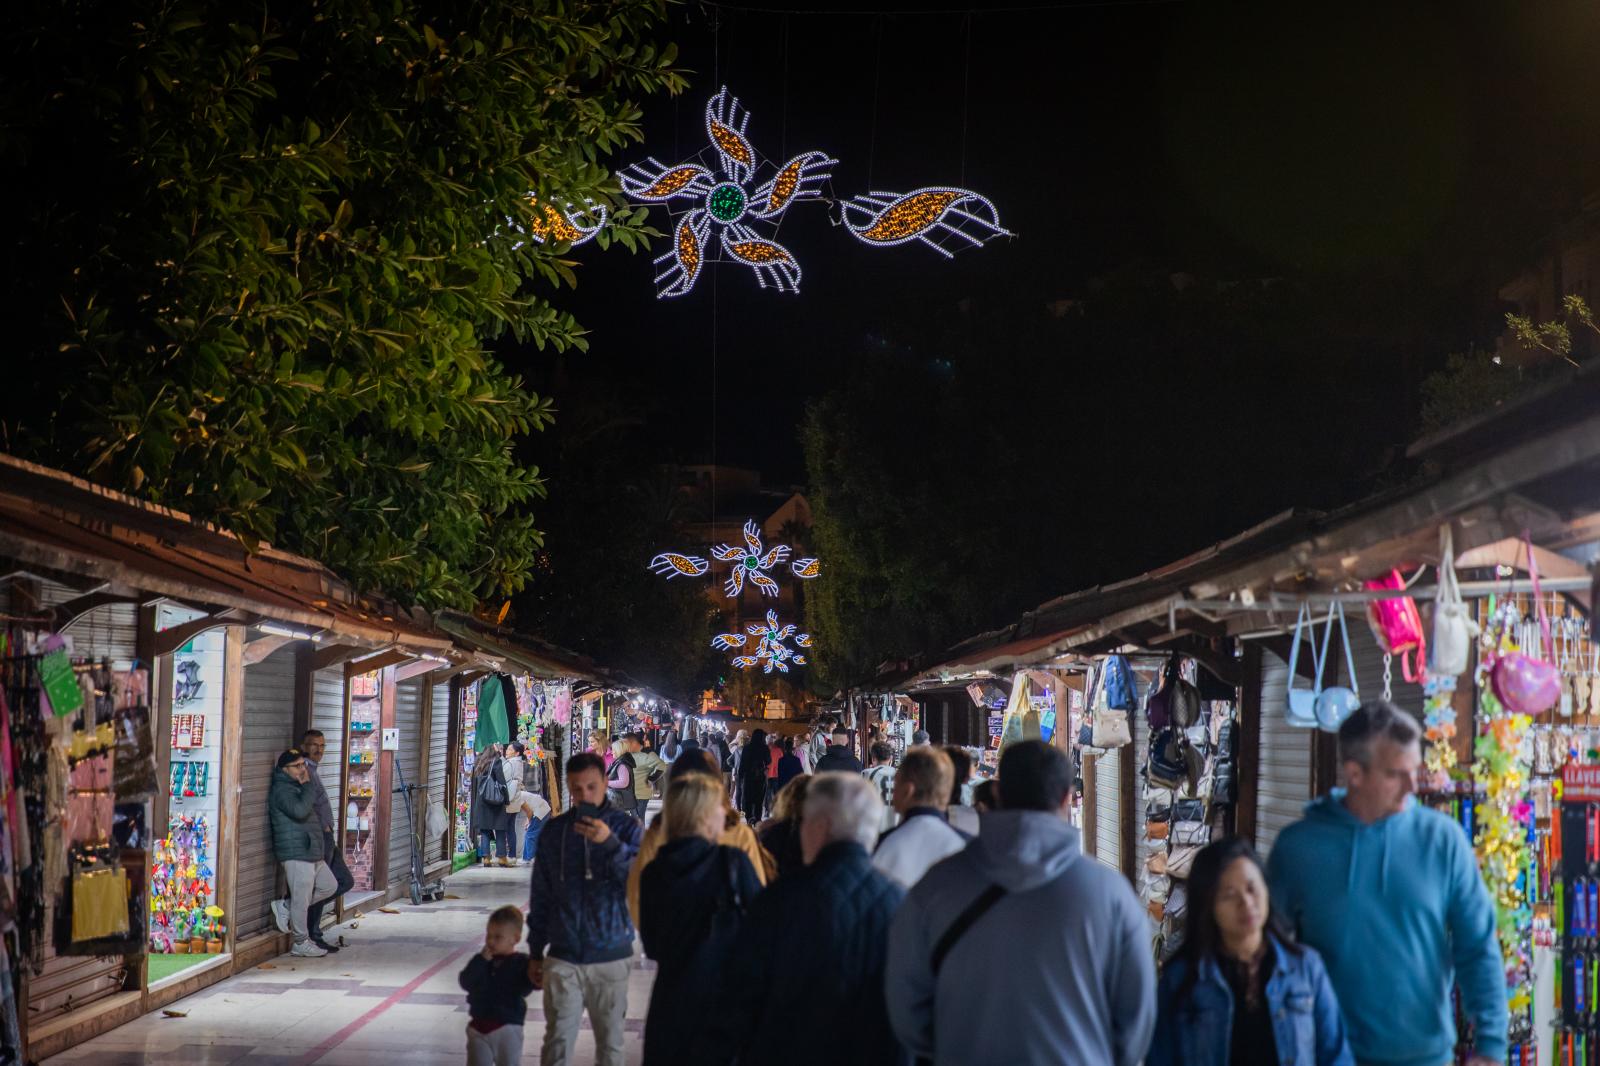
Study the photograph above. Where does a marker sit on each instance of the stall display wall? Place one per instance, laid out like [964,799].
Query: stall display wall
[465,842]
[69,983]
[366,698]
[186,857]
[407,768]
[268,731]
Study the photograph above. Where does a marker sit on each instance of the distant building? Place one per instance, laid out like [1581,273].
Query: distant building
[1566,263]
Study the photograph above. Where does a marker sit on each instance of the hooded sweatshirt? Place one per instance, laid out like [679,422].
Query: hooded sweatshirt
[1062,959]
[1398,911]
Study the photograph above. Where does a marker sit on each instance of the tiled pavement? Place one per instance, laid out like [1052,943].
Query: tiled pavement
[390,994]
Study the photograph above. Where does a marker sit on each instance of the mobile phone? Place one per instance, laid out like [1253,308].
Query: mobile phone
[587,810]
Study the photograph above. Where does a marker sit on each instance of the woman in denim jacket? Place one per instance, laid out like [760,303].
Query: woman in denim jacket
[1240,991]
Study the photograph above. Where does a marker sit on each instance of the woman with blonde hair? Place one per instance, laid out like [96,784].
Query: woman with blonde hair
[735,833]
[692,902]
[780,834]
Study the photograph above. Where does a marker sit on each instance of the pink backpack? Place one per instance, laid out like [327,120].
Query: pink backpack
[1398,626]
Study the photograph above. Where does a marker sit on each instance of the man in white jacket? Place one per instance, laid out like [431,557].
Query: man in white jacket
[924,835]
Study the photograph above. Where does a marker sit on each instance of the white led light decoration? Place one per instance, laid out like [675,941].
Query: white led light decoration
[574,225]
[672,565]
[724,199]
[751,562]
[805,569]
[937,216]
[771,651]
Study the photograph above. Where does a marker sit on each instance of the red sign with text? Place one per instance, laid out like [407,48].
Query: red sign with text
[1580,784]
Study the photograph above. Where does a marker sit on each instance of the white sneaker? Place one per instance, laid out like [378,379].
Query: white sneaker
[280,914]
[307,950]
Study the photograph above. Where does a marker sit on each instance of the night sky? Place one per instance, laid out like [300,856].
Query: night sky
[1427,144]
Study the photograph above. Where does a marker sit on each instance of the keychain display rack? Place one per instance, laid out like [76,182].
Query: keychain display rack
[366,703]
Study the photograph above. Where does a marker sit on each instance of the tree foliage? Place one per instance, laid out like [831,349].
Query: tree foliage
[264,247]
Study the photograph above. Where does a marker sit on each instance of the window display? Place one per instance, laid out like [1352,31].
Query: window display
[185,916]
[366,701]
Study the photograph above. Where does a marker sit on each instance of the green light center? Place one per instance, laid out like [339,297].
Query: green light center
[726,202]
[751,562]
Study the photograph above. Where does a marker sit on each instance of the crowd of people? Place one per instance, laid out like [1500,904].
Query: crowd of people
[849,916]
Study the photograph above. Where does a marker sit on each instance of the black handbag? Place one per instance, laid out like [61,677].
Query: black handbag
[1224,782]
[1167,767]
[1189,810]
[492,788]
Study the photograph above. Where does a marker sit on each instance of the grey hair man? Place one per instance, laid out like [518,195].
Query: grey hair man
[1024,915]
[843,907]
[1367,857]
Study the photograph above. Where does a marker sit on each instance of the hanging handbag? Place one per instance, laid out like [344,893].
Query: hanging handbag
[1336,702]
[1524,684]
[1181,859]
[1177,703]
[1454,628]
[1185,834]
[1189,810]
[492,789]
[1301,711]
[1121,687]
[99,902]
[1167,767]
[1110,726]
[1397,625]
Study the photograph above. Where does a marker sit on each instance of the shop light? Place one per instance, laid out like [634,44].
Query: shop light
[284,631]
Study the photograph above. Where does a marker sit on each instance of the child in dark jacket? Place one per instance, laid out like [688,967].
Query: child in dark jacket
[497,986]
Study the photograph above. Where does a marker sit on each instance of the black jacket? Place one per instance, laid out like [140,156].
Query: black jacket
[688,919]
[838,757]
[497,989]
[833,921]
[782,839]
[485,818]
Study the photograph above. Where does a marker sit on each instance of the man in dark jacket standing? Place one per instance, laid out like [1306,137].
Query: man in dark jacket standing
[315,745]
[842,908]
[839,756]
[580,938]
[297,843]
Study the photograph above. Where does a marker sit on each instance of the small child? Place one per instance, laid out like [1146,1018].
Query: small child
[497,987]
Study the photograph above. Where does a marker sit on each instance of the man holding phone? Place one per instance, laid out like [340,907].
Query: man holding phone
[580,938]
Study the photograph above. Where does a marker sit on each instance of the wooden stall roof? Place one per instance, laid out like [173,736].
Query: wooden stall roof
[536,655]
[60,526]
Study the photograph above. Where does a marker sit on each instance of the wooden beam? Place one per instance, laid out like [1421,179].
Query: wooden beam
[170,640]
[257,650]
[414,670]
[1247,743]
[380,661]
[384,801]
[334,654]
[72,610]
[232,762]
[1129,797]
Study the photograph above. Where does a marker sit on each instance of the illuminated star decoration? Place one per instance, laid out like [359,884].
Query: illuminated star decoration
[572,226]
[717,225]
[937,216]
[752,561]
[771,651]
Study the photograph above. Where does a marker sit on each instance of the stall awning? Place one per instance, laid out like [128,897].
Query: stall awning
[537,657]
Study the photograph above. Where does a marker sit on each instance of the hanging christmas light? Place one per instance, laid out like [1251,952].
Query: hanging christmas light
[672,565]
[771,650]
[935,216]
[751,561]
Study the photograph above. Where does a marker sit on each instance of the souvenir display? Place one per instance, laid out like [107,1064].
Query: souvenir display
[183,889]
[366,705]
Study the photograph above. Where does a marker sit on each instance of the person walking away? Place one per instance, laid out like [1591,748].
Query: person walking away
[839,759]
[836,968]
[775,750]
[620,778]
[819,741]
[693,897]
[960,811]
[1240,991]
[750,774]
[920,738]
[881,774]
[780,834]
[648,769]
[313,745]
[802,751]
[1023,914]
[580,939]
[1389,893]
[490,794]
[297,844]
[497,986]
[924,836]
[789,766]
[736,833]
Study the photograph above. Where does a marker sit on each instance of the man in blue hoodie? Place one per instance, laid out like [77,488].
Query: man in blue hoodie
[1389,893]
[580,938]
[1056,942]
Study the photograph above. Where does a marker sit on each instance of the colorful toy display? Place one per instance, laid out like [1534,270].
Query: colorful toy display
[182,911]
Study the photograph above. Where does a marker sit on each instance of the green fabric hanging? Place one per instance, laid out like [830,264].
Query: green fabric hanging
[493,723]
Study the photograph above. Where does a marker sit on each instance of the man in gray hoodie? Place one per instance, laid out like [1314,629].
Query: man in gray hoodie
[1058,942]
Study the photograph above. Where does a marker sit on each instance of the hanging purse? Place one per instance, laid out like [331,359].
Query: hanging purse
[1167,767]
[1302,702]
[1522,683]
[1336,703]
[1397,625]
[99,902]
[1176,704]
[1454,628]
[1181,859]
[1110,727]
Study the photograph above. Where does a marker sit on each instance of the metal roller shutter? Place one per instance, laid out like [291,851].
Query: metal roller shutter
[327,714]
[268,729]
[67,983]
[408,765]
[1284,778]
[1108,808]
[439,767]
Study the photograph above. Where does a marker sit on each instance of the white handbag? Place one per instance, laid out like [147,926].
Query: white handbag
[1110,729]
[1454,628]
